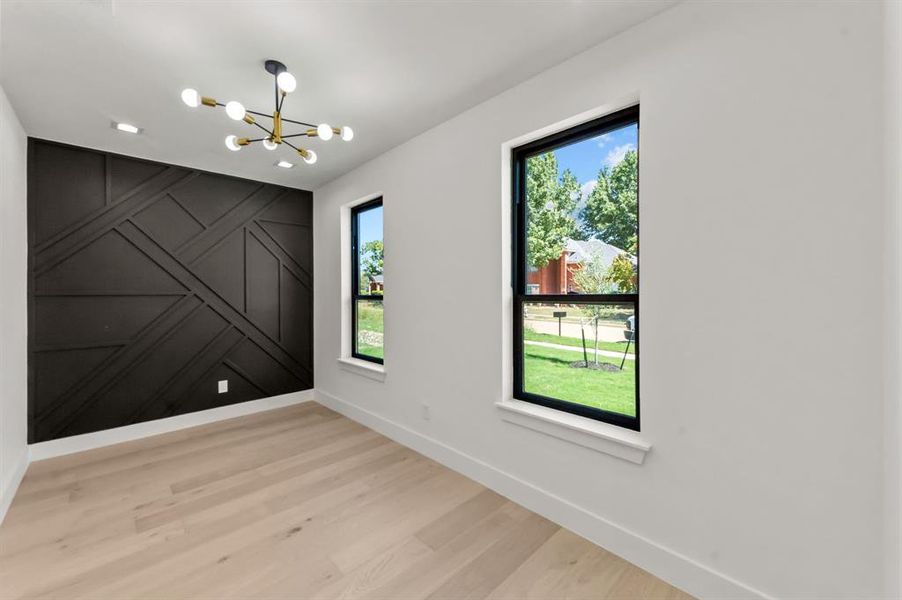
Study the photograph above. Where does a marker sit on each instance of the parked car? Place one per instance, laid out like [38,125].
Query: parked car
[630,331]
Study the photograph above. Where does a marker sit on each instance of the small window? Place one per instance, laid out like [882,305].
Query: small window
[576,270]
[367,281]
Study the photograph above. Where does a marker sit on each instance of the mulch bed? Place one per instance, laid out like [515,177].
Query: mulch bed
[600,366]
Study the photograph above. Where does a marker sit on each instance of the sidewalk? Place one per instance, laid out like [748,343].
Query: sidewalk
[589,349]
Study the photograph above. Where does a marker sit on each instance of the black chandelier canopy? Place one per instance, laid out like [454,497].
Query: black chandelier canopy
[283,84]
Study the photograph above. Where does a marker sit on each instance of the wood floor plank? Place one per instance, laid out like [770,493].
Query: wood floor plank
[439,532]
[423,577]
[196,503]
[374,573]
[297,502]
[149,493]
[558,570]
[493,565]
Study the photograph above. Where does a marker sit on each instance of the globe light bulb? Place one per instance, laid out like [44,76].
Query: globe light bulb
[231,143]
[235,110]
[191,97]
[310,158]
[286,81]
[269,144]
[324,132]
[347,134]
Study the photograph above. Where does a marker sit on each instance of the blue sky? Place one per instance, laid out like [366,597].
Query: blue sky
[585,158]
[369,225]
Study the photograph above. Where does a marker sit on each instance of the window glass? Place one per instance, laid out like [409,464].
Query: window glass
[582,215]
[582,354]
[369,328]
[370,254]
[368,283]
[576,288]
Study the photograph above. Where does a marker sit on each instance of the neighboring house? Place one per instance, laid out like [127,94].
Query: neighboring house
[556,277]
[377,284]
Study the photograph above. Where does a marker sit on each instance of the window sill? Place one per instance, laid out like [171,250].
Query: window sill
[367,369]
[601,437]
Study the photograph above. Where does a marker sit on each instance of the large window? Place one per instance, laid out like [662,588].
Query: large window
[576,270]
[367,282]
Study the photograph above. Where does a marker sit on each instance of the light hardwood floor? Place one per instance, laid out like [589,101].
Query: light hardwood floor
[294,503]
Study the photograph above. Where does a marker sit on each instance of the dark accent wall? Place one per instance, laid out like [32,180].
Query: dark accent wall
[148,283]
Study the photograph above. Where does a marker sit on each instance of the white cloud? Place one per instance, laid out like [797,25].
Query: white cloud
[603,139]
[584,190]
[616,154]
[582,196]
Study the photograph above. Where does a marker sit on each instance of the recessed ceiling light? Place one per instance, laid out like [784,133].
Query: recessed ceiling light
[284,164]
[127,127]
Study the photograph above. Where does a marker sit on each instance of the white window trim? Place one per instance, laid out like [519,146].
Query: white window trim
[603,437]
[599,436]
[365,368]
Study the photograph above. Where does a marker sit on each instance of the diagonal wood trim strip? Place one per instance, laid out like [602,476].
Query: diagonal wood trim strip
[111,237]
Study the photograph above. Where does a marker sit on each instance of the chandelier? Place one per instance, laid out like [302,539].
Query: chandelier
[284,83]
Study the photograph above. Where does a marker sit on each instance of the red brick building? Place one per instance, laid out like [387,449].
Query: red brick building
[556,277]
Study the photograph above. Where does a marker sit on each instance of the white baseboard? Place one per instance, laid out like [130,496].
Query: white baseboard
[107,437]
[669,565]
[11,485]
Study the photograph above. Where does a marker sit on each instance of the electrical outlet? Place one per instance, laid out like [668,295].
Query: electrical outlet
[223,386]
[424,412]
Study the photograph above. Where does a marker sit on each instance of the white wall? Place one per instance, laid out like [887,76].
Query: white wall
[893,416]
[13,315]
[763,303]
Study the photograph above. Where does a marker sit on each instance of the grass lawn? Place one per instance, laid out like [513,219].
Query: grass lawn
[547,372]
[570,341]
[369,318]
[367,350]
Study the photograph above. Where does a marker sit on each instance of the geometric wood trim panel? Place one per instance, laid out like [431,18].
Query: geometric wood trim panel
[149,282]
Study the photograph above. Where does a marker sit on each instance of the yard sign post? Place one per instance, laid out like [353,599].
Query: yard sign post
[559,315]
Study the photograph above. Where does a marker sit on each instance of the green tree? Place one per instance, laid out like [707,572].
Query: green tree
[592,278]
[612,209]
[621,274]
[550,203]
[371,260]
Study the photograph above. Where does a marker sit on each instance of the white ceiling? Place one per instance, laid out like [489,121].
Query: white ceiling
[389,69]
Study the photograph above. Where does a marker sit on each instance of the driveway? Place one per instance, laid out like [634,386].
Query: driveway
[606,333]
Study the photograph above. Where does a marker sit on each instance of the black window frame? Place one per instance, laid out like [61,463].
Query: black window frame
[355,276]
[519,155]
